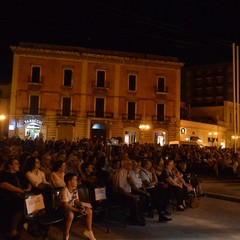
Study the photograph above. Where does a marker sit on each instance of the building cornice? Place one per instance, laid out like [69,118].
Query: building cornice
[81,54]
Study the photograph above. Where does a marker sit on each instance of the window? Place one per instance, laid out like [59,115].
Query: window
[66,106]
[35,77]
[132,83]
[67,77]
[161,84]
[99,107]
[100,78]
[160,112]
[131,110]
[34,102]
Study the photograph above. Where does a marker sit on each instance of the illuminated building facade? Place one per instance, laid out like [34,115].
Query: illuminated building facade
[68,93]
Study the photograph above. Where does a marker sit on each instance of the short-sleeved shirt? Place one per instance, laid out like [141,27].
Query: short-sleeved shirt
[146,176]
[120,180]
[67,196]
[166,174]
[136,179]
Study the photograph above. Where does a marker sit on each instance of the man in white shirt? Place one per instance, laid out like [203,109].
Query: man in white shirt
[122,186]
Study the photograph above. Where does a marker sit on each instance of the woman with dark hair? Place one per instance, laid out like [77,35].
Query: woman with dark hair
[174,186]
[35,176]
[12,188]
[57,176]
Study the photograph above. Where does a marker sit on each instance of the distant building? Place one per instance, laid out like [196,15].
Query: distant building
[68,93]
[5,93]
[207,92]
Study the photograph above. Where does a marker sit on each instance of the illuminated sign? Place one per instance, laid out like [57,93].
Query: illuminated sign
[183,130]
[32,120]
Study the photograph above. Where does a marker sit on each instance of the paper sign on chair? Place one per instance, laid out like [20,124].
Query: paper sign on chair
[34,203]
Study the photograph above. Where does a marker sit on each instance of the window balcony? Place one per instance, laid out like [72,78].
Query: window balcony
[100,89]
[161,91]
[39,111]
[136,117]
[60,113]
[93,114]
[35,86]
[156,118]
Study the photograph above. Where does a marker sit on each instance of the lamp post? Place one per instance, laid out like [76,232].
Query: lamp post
[2,118]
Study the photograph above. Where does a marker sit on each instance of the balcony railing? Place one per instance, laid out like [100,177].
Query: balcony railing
[39,111]
[93,114]
[156,118]
[137,117]
[35,82]
[161,91]
[104,86]
[60,113]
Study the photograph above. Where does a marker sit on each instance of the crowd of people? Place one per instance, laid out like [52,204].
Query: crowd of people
[144,176]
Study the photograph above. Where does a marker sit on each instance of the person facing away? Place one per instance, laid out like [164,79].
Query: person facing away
[72,204]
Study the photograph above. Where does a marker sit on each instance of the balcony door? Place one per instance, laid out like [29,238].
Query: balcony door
[99,107]
[160,112]
[34,103]
[131,110]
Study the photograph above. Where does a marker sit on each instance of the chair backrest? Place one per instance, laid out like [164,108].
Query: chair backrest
[83,194]
[56,204]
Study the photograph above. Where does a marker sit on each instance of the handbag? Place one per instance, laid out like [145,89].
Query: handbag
[194,202]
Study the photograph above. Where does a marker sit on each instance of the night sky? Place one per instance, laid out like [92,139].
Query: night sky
[197,32]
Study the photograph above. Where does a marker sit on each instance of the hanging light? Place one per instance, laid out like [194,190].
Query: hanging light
[143,127]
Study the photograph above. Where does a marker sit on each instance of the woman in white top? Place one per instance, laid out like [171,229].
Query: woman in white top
[57,176]
[34,175]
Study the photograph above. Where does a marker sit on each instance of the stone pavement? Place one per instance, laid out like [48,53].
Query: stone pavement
[215,219]
[228,189]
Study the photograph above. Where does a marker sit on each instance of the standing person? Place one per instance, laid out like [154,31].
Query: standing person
[71,203]
[12,188]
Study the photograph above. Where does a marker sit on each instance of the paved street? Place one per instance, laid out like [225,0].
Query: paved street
[214,219]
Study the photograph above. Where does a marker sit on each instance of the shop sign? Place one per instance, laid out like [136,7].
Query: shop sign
[66,122]
[33,120]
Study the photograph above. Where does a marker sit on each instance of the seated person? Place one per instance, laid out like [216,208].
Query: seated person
[57,176]
[101,170]
[74,166]
[175,187]
[121,186]
[46,164]
[12,188]
[34,175]
[138,187]
[71,203]
[157,195]
[91,178]
[192,180]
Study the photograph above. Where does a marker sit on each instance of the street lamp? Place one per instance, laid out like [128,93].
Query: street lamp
[143,127]
[2,118]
